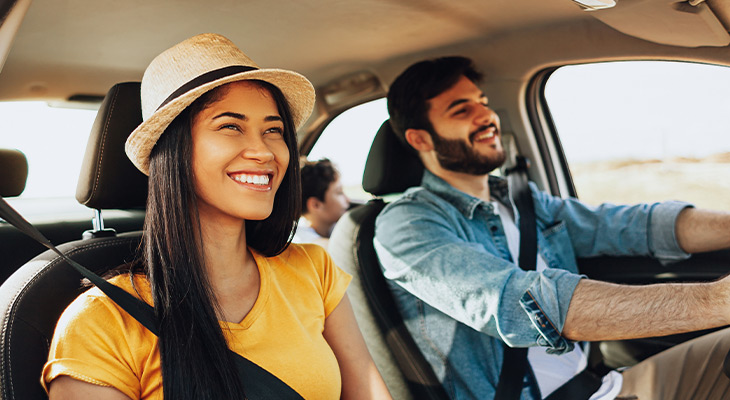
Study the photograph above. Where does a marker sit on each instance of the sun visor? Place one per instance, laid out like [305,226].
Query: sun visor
[688,24]
[11,15]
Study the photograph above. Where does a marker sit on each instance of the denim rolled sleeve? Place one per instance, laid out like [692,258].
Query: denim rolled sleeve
[662,234]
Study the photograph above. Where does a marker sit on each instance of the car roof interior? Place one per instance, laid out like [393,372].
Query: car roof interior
[73,51]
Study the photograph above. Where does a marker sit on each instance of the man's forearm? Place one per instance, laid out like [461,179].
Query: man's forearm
[703,230]
[606,311]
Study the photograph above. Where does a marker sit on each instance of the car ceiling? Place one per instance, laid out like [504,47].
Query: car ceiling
[65,47]
[71,47]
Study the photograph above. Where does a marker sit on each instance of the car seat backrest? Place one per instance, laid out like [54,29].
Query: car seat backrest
[390,168]
[34,297]
[32,300]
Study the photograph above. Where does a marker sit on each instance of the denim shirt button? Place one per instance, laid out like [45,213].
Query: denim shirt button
[493,228]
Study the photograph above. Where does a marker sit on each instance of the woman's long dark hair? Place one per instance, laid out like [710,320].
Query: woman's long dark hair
[195,360]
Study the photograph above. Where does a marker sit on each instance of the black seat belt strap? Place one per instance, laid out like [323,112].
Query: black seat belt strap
[258,382]
[579,387]
[514,361]
[522,197]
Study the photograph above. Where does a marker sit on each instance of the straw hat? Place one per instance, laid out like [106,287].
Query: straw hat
[181,74]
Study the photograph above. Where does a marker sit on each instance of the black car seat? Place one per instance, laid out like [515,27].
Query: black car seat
[34,297]
[390,169]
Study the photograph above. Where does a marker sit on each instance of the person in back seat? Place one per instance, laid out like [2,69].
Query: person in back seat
[218,142]
[323,202]
[449,249]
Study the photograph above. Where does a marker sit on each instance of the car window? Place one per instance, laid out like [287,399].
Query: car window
[53,140]
[644,131]
[346,142]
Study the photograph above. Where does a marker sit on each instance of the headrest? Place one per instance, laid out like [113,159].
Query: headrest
[390,167]
[108,179]
[15,172]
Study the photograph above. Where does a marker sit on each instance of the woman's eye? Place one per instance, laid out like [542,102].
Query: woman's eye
[233,127]
[276,130]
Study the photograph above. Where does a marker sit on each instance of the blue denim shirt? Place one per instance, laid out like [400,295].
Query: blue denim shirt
[446,258]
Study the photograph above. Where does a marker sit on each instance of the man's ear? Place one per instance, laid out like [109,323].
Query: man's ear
[419,139]
[313,204]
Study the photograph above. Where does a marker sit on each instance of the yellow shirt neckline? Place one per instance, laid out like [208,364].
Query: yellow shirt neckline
[261,299]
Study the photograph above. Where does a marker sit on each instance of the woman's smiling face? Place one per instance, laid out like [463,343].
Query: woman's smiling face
[239,155]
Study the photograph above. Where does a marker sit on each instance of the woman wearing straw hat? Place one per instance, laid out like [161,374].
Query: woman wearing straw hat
[218,142]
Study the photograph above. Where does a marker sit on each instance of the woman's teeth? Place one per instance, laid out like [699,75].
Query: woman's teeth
[252,179]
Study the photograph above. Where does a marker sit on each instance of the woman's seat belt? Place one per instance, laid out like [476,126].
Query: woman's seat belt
[258,382]
[514,361]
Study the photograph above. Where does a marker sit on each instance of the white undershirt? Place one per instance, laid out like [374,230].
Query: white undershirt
[552,371]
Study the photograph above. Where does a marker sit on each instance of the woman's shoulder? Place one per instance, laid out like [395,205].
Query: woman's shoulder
[306,250]
[308,265]
[135,284]
[301,258]
[97,341]
[94,307]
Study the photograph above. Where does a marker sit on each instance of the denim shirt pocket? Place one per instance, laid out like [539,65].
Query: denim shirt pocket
[556,247]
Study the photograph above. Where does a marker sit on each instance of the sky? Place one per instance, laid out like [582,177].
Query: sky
[641,110]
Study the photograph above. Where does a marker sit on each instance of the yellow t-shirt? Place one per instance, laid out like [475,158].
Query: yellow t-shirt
[97,341]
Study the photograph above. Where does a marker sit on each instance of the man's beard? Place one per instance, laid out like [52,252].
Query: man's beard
[456,155]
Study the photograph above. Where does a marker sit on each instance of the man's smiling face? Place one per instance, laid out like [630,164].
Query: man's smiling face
[466,132]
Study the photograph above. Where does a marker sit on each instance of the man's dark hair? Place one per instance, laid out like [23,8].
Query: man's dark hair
[317,176]
[422,81]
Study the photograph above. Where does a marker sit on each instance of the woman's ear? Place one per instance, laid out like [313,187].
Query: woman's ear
[419,139]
